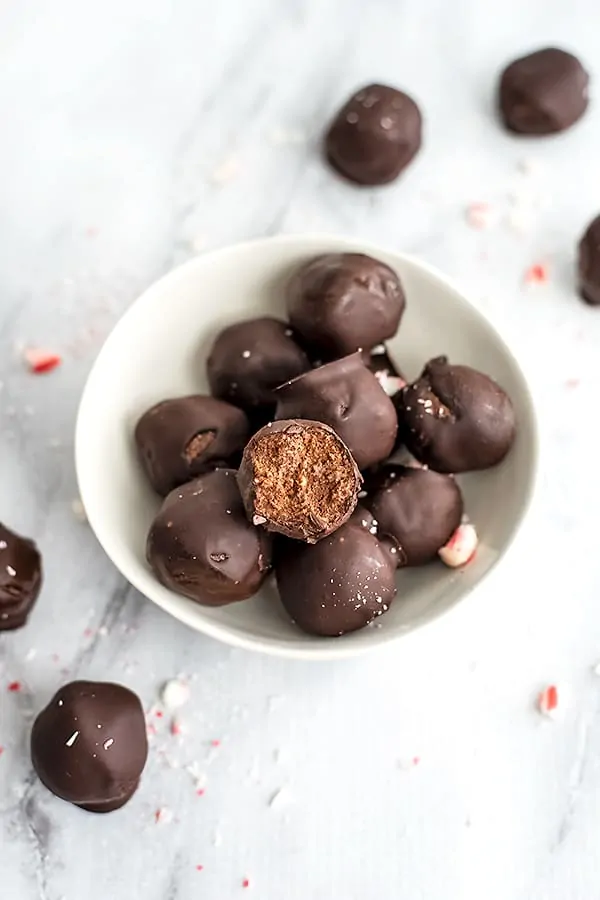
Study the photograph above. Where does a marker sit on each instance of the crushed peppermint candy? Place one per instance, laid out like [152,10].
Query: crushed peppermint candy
[14,687]
[547,702]
[536,274]
[175,694]
[461,548]
[246,883]
[41,361]
[479,215]
[163,816]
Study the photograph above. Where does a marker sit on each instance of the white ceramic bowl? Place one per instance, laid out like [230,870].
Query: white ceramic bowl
[158,350]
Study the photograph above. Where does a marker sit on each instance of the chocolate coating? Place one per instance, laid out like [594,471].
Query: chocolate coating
[340,584]
[455,419]
[589,263]
[89,745]
[179,439]
[201,544]
[419,508]
[543,93]
[249,359]
[299,479]
[343,302]
[375,135]
[20,578]
[345,395]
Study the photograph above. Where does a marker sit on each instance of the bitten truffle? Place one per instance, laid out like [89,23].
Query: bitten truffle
[201,544]
[298,478]
[589,264]
[345,395]
[20,578]
[418,508]
[343,302]
[89,745]
[375,135]
[340,584]
[543,93]
[179,439]
[249,359]
[455,419]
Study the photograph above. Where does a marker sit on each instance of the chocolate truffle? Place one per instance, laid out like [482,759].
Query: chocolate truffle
[343,302]
[201,544]
[589,264]
[179,439]
[418,508]
[375,135]
[20,578]
[346,396]
[249,359]
[89,745]
[340,584]
[543,93]
[298,478]
[385,370]
[455,419]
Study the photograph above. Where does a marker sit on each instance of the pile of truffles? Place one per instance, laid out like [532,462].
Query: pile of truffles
[292,465]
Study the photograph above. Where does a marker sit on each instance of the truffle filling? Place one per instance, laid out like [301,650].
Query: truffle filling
[303,480]
[198,445]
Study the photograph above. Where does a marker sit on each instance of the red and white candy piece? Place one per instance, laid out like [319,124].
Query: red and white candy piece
[461,547]
[41,361]
[548,701]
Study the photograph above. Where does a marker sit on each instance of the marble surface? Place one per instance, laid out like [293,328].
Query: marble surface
[136,134]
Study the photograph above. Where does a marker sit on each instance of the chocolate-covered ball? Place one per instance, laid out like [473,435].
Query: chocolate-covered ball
[375,135]
[343,302]
[340,584]
[249,359]
[89,745]
[179,439]
[201,544]
[385,370]
[419,508]
[589,264]
[299,479]
[20,578]
[543,92]
[345,395]
[455,419]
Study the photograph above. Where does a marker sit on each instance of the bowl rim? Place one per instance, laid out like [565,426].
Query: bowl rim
[318,649]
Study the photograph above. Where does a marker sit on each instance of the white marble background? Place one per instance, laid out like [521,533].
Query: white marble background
[135,133]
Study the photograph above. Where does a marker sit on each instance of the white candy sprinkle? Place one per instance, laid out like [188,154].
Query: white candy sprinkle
[258,520]
[78,510]
[279,798]
[108,744]
[226,172]
[461,547]
[73,737]
[175,693]
[246,354]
